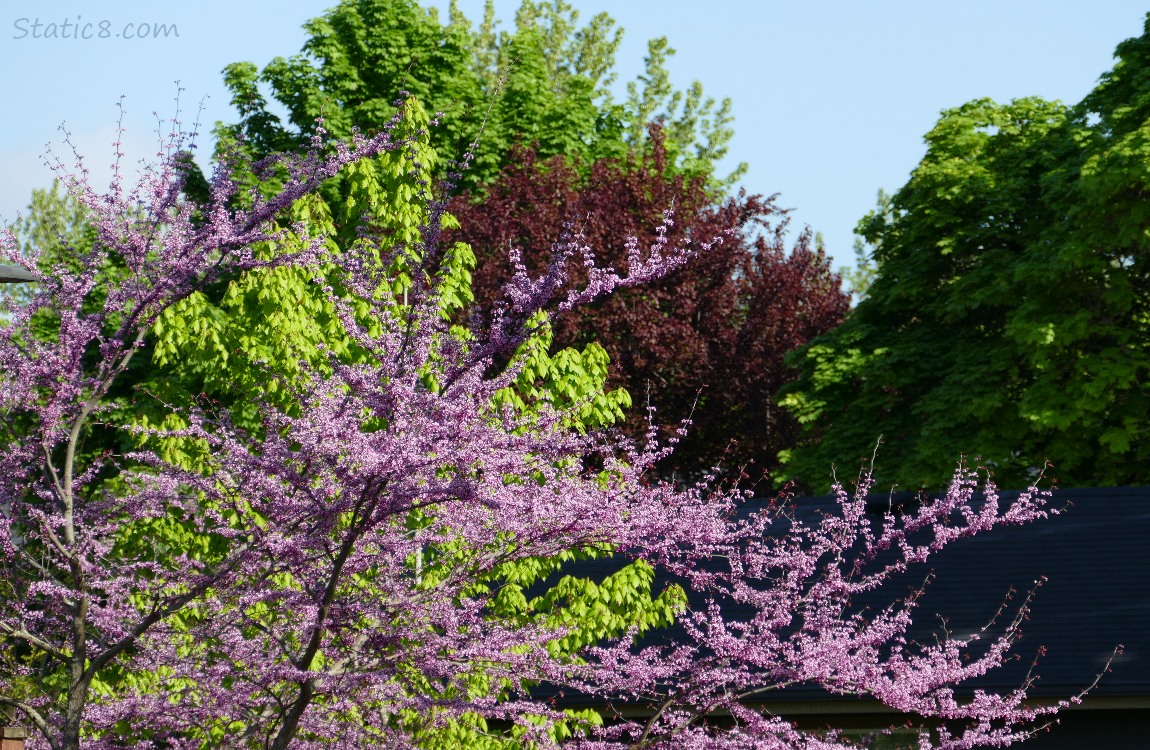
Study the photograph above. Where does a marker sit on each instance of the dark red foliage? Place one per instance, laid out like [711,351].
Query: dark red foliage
[709,340]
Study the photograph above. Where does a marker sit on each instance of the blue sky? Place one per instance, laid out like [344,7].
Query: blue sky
[831,99]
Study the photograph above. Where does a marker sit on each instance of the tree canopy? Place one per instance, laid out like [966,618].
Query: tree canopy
[705,343]
[343,514]
[352,565]
[544,89]
[1009,317]
[248,338]
[544,85]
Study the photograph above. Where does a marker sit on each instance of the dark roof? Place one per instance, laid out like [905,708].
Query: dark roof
[1095,558]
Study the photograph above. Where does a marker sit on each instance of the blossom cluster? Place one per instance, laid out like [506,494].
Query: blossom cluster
[333,575]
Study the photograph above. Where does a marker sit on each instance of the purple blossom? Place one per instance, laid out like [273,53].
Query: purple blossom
[344,592]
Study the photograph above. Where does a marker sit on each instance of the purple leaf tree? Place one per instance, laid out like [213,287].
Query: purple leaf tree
[343,562]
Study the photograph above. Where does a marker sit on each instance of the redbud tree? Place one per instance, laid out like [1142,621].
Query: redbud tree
[352,567]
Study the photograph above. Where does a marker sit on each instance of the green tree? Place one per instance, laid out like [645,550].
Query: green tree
[1010,315]
[546,84]
[54,222]
[861,276]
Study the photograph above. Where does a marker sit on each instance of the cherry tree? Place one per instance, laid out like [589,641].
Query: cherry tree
[355,568]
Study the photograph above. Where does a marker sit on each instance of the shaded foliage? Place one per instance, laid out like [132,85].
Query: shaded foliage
[1010,313]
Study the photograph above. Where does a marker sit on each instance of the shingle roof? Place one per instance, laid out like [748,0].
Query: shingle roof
[1095,558]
